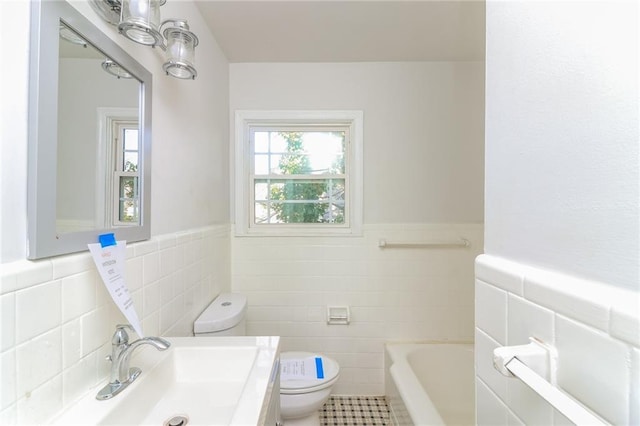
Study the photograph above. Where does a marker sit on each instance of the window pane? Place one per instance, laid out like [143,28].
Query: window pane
[261,165]
[303,190]
[275,164]
[278,142]
[326,151]
[336,189]
[130,162]
[336,213]
[306,152]
[261,190]
[128,187]
[261,142]
[290,212]
[276,185]
[129,211]
[261,212]
[299,201]
[131,139]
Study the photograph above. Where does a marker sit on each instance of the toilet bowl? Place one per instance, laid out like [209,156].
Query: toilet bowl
[300,398]
[303,398]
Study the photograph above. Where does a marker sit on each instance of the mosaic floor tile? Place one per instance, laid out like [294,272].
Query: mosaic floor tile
[355,410]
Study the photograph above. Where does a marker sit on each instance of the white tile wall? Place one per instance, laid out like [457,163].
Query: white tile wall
[37,310]
[604,386]
[8,323]
[591,324]
[490,410]
[526,405]
[394,294]
[634,395]
[492,319]
[484,346]
[526,320]
[624,324]
[57,317]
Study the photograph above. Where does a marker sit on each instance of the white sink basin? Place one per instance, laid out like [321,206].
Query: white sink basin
[209,380]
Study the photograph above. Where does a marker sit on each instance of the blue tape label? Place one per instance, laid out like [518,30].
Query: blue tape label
[107,240]
[319,369]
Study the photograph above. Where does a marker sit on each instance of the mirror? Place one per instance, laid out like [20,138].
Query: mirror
[89,136]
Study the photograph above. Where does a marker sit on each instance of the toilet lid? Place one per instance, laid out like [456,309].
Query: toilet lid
[330,367]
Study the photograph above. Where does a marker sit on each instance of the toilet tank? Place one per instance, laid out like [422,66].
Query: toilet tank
[225,316]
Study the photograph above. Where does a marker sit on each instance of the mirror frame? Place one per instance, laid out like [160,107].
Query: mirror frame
[42,237]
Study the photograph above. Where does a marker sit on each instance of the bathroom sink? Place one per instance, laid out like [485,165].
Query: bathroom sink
[207,380]
[196,382]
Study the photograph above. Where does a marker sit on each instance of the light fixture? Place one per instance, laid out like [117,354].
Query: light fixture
[69,35]
[181,45]
[115,69]
[109,10]
[139,21]
[108,65]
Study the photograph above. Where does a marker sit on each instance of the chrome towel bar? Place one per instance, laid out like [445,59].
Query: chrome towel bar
[462,242]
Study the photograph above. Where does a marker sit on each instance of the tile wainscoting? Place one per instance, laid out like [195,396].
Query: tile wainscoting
[58,318]
[401,294]
[594,326]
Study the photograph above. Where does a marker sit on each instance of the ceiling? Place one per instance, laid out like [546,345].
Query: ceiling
[347,31]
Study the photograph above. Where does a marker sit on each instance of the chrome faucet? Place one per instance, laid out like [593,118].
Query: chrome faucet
[121,375]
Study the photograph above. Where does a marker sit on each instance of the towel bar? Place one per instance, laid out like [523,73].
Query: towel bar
[512,361]
[462,242]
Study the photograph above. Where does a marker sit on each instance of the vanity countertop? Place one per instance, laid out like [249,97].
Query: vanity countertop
[210,380]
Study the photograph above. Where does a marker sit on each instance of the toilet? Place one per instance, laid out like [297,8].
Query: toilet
[300,398]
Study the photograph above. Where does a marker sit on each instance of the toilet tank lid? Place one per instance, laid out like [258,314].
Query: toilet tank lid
[226,311]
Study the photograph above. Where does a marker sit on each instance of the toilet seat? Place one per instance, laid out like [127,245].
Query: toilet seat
[293,387]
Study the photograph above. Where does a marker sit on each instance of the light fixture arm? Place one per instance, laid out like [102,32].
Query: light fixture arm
[177,22]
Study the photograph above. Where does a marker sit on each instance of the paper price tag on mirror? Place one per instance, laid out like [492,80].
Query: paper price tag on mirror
[110,262]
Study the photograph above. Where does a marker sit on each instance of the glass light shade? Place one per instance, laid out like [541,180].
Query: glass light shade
[69,35]
[109,10]
[115,69]
[181,44]
[140,21]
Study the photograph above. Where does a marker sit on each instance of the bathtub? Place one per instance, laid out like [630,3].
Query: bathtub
[430,383]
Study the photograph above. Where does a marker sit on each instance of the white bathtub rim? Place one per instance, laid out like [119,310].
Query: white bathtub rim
[413,395]
[416,400]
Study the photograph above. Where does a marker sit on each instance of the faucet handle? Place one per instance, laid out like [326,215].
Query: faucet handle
[120,337]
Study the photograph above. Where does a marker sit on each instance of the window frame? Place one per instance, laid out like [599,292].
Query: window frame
[111,122]
[246,120]
[119,129]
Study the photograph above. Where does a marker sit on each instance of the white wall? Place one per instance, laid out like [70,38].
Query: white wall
[57,319]
[14,81]
[423,150]
[562,206]
[423,158]
[562,137]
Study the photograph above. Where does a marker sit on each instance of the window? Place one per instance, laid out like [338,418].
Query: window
[118,170]
[298,173]
[125,195]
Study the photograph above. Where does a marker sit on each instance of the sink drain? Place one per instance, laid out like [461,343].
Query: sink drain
[177,421]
